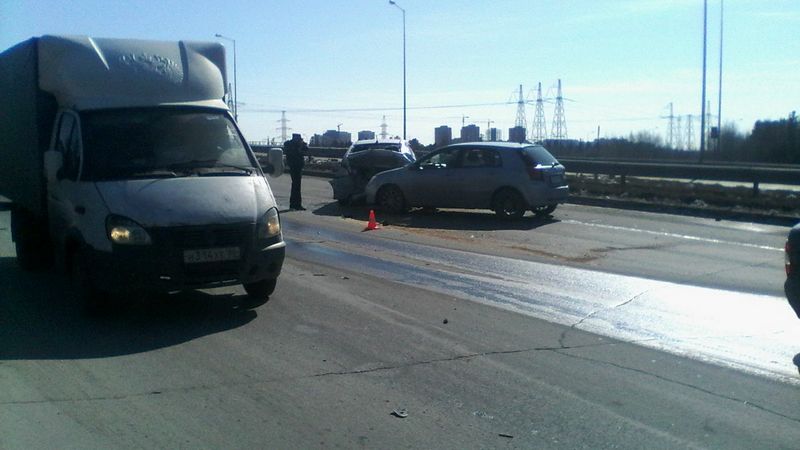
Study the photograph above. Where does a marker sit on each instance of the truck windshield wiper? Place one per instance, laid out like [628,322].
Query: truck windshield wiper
[154,174]
[209,164]
[130,173]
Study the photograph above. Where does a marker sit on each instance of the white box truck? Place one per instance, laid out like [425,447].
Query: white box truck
[126,169]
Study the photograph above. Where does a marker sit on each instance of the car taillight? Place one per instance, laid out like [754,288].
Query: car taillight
[787,258]
[535,173]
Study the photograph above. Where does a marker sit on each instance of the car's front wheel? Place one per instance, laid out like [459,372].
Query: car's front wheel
[509,204]
[390,199]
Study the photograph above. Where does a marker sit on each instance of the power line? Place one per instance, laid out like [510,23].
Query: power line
[325,110]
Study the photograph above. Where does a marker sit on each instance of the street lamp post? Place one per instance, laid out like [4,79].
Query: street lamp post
[235,84]
[392,2]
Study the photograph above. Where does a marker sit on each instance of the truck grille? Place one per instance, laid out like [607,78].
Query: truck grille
[202,237]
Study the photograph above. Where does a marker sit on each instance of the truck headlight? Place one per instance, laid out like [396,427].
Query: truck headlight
[124,231]
[271,224]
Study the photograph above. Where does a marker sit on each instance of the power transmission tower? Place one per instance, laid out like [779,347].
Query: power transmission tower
[689,132]
[559,130]
[284,129]
[384,126]
[521,121]
[539,123]
[670,127]
[678,132]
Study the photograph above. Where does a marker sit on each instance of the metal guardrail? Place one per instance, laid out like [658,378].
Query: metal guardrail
[709,172]
[755,174]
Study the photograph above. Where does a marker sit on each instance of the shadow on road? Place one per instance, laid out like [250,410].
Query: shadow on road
[468,220]
[41,319]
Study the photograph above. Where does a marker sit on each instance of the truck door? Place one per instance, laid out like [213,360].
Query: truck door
[62,181]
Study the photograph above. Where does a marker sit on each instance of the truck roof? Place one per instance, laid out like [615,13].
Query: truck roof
[92,73]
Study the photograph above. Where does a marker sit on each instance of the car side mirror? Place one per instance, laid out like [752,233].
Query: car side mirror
[53,165]
[275,159]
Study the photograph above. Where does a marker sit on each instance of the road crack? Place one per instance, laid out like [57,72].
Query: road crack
[575,325]
[205,387]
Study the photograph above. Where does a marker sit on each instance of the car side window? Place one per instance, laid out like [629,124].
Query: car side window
[68,144]
[444,159]
[480,157]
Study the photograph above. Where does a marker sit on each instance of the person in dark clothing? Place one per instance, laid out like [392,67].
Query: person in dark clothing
[295,150]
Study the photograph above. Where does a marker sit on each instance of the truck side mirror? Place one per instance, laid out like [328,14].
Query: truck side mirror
[275,158]
[53,163]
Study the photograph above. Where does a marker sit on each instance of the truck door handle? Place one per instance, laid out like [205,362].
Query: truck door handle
[80,210]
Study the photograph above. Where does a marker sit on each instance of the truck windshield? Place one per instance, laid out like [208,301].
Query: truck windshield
[161,142]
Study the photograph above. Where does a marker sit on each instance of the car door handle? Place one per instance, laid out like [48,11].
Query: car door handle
[80,210]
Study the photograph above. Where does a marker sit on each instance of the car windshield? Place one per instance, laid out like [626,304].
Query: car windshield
[375,146]
[535,155]
[162,142]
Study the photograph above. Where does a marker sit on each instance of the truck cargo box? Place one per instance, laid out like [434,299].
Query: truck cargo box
[41,75]
[26,121]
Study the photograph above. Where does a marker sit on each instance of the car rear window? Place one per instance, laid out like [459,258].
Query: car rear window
[378,146]
[535,155]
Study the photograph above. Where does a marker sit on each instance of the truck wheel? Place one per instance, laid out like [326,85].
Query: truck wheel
[32,242]
[92,300]
[260,290]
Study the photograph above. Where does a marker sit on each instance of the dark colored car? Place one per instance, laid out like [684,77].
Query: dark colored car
[792,285]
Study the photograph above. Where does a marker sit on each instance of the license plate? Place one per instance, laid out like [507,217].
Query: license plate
[205,255]
[557,179]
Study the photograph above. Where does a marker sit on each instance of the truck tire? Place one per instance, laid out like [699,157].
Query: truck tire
[92,300]
[259,291]
[32,242]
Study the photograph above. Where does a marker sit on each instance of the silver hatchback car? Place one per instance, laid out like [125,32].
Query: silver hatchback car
[507,178]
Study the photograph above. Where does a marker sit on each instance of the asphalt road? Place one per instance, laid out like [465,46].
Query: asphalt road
[430,315]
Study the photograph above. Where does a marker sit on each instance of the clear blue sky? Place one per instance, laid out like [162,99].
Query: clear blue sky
[620,61]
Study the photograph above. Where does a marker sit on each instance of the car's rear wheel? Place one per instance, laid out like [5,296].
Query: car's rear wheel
[509,204]
[542,211]
[390,199]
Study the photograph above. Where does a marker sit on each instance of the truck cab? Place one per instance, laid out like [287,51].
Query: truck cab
[147,182]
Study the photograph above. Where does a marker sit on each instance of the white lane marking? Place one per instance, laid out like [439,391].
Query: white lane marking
[674,235]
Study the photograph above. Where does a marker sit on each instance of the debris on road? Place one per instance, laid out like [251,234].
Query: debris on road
[401,413]
[505,435]
[445,321]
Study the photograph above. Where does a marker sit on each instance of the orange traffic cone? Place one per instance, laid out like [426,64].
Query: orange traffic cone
[372,224]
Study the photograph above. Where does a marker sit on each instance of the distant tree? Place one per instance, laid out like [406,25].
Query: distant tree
[416,145]
[775,141]
[731,146]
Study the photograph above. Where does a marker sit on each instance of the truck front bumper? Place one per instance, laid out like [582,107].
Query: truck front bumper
[163,270]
